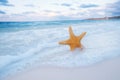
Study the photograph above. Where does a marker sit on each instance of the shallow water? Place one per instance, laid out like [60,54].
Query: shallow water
[27,44]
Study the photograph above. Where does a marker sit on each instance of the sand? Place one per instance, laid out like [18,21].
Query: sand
[106,70]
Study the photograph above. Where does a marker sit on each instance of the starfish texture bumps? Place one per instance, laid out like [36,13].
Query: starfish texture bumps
[73,41]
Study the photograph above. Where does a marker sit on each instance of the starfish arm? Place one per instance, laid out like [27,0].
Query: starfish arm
[71,32]
[72,47]
[64,42]
[81,36]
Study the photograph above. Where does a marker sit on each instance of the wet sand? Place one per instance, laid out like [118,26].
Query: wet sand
[106,70]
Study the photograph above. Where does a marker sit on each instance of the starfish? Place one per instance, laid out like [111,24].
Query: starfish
[73,41]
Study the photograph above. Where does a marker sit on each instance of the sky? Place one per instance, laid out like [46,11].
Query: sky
[47,10]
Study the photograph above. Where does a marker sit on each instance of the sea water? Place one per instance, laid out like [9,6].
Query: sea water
[27,44]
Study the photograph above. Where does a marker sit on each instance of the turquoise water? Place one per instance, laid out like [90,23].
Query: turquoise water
[29,44]
[16,26]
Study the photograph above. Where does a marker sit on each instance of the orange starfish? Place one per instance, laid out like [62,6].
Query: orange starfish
[74,41]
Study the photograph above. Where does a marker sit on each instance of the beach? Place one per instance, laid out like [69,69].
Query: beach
[31,50]
[107,70]
[60,40]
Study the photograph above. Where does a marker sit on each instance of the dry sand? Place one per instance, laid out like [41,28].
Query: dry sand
[107,70]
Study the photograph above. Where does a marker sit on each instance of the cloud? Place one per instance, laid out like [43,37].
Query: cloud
[2,12]
[29,5]
[113,9]
[47,10]
[62,17]
[88,5]
[62,4]
[66,4]
[72,8]
[5,3]
[29,12]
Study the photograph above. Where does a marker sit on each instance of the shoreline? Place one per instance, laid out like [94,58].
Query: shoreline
[106,70]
